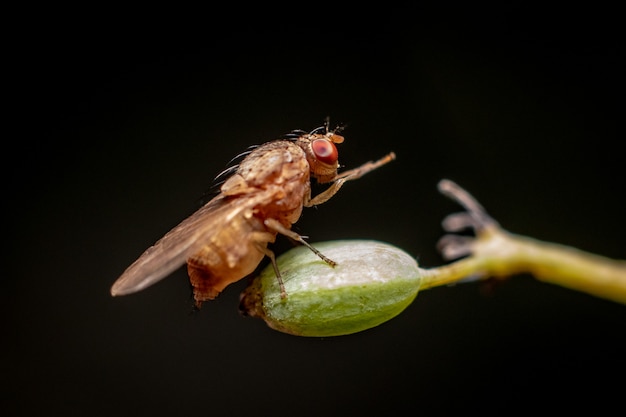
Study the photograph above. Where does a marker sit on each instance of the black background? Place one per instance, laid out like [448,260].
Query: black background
[120,127]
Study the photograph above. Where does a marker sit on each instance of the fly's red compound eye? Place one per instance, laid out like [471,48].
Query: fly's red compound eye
[325,151]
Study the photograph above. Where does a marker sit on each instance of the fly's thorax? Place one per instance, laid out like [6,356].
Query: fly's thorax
[279,172]
[273,163]
[321,154]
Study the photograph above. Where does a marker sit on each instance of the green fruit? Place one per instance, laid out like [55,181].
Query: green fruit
[371,283]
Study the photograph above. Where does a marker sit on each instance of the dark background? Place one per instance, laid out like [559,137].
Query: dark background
[120,127]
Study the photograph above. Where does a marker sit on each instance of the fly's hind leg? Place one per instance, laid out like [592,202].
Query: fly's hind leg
[268,252]
[277,227]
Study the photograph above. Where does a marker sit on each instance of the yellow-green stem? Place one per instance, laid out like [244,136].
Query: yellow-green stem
[453,273]
[496,253]
[570,267]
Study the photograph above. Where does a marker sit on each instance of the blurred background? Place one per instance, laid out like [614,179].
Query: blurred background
[125,124]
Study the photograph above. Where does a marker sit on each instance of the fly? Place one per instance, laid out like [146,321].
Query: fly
[228,237]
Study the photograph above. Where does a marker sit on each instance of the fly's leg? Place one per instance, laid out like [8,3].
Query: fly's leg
[326,195]
[277,227]
[358,172]
[270,254]
[349,175]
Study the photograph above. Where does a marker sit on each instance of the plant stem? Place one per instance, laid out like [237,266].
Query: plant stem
[497,253]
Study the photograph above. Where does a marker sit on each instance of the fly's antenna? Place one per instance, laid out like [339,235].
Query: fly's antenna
[326,127]
[340,128]
[327,123]
[321,130]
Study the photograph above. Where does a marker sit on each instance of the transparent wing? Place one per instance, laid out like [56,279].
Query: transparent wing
[173,249]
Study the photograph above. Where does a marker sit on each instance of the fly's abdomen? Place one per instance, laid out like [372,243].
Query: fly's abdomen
[231,254]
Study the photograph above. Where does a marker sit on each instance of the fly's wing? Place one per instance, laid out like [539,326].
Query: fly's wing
[173,249]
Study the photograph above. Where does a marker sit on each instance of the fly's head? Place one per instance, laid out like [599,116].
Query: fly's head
[321,152]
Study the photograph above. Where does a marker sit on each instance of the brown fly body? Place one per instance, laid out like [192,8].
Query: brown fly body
[228,237]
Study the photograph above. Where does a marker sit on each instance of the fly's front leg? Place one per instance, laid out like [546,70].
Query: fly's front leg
[349,175]
[325,195]
[358,172]
[277,227]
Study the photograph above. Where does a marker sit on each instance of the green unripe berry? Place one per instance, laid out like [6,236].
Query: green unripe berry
[371,283]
